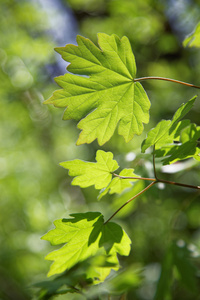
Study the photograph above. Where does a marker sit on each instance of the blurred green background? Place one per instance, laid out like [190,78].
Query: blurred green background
[34,190]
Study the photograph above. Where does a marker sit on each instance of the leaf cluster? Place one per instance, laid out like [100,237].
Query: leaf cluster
[101,92]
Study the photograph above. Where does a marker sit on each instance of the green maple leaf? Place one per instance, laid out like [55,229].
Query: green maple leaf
[98,174]
[186,148]
[156,134]
[108,97]
[193,40]
[84,236]
[168,130]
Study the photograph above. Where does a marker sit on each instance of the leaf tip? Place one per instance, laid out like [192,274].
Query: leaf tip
[59,49]
[48,101]
[79,142]
[61,163]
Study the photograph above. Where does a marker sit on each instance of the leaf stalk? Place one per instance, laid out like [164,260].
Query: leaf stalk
[167,79]
[136,178]
[154,181]
[131,199]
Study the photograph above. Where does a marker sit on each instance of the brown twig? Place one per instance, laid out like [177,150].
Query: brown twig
[140,193]
[166,79]
[154,181]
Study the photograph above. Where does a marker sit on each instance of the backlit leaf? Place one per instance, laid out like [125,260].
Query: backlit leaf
[108,96]
[85,235]
[186,148]
[193,40]
[166,131]
[98,174]
[183,110]
[156,134]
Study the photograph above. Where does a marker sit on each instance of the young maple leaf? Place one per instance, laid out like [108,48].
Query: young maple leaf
[167,130]
[99,174]
[87,174]
[108,96]
[85,235]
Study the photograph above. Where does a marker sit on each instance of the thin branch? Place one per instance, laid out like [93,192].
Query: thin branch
[167,79]
[135,178]
[140,193]
[197,187]
[156,180]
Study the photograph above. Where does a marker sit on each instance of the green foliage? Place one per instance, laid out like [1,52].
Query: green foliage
[86,235]
[75,280]
[167,132]
[178,260]
[35,190]
[188,146]
[193,40]
[25,49]
[108,96]
[98,174]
